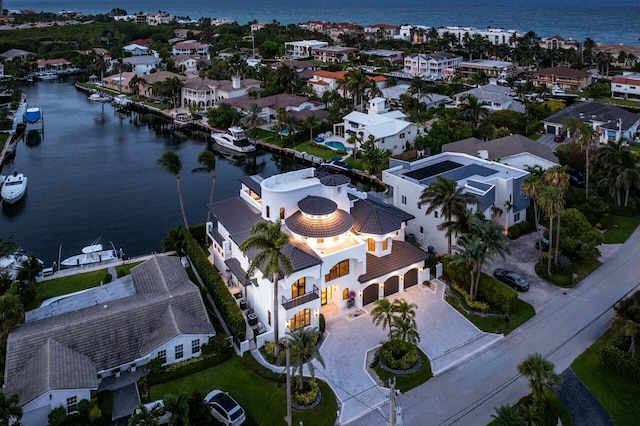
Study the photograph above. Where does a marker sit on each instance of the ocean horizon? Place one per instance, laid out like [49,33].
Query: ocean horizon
[615,23]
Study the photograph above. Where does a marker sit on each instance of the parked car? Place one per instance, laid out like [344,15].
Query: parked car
[576,177]
[512,279]
[157,409]
[224,408]
[558,138]
[544,242]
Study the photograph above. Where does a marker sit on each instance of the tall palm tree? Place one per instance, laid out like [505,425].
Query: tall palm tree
[176,240]
[406,331]
[552,203]
[627,320]
[269,239]
[253,118]
[470,253]
[356,82]
[472,110]
[10,411]
[531,186]
[170,161]
[587,136]
[404,310]
[134,84]
[382,313]
[557,177]
[628,178]
[311,122]
[207,161]
[541,375]
[29,270]
[570,125]
[302,344]
[444,196]
[11,313]
[492,243]
[178,406]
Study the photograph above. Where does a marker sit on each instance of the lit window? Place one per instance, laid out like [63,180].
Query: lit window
[298,288]
[371,245]
[195,346]
[72,404]
[163,356]
[301,319]
[339,270]
[179,351]
[336,238]
[385,244]
[281,212]
[345,294]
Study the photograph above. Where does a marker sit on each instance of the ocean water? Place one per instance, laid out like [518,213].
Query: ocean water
[613,21]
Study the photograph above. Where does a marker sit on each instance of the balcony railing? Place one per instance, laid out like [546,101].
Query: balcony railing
[301,300]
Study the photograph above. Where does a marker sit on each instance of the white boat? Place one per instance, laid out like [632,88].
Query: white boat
[13,188]
[12,262]
[121,100]
[91,255]
[48,75]
[99,97]
[182,119]
[558,92]
[235,139]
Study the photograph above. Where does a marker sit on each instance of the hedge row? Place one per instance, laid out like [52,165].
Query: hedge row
[521,228]
[260,371]
[224,301]
[475,305]
[500,297]
[621,361]
[193,366]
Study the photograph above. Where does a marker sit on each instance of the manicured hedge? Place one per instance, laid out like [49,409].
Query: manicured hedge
[260,371]
[620,361]
[521,228]
[224,301]
[190,367]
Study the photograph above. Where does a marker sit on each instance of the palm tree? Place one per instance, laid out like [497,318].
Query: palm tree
[356,82]
[253,118]
[507,415]
[404,330]
[558,177]
[175,240]
[404,310]
[587,136]
[472,110]
[541,375]
[374,156]
[570,125]
[531,186]
[470,253]
[382,313]
[178,406]
[143,417]
[552,203]
[628,178]
[207,160]
[10,411]
[134,84]
[269,239]
[627,320]
[170,161]
[302,344]
[444,195]
[29,270]
[311,122]
[11,313]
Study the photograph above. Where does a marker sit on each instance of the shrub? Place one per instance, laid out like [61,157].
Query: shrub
[187,368]
[564,265]
[398,355]
[473,305]
[498,295]
[121,272]
[307,398]
[321,324]
[269,350]
[155,365]
[107,278]
[520,228]
[216,345]
[621,361]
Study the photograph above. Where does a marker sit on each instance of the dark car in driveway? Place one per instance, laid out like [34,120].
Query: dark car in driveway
[576,178]
[512,279]
[544,242]
[558,138]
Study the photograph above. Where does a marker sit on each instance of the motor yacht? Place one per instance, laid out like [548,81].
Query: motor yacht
[13,188]
[235,139]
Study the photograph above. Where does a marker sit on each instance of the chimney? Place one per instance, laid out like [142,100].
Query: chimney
[235,80]
[483,153]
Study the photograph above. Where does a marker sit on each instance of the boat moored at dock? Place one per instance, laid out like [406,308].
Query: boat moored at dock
[92,254]
[235,139]
[13,188]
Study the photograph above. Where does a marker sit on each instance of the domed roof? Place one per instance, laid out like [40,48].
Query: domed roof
[317,206]
[335,180]
[339,223]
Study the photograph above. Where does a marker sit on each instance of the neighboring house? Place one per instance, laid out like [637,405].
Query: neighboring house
[298,106]
[258,26]
[393,56]
[146,42]
[493,97]
[64,350]
[332,54]
[159,18]
[11,54]
[557,42]
[190,47]
[563,77]
[304,69]
[431,100]
[145,87]
[626,86]
[495,36]
[188,63]
[493,184]
[119,82]
[631,54]
[303,48]
[492,69]
[137,49]
[514,150]
[185,33]
[388,128]
[58,64]
[340,241]
[327,81]
[207,93]
[383,31]
[140,18]
[610,122]
[432,65]
[142,65]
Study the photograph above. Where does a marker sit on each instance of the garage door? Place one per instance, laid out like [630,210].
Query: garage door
[370,294]
[391,286]
[411,278]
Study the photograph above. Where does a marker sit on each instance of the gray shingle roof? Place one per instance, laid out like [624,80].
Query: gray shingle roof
[317,206]
[236,215]
[371,216]
[251,183]
[236,269]
[502,147]
[109,335]
[595,111]
[402,255]
[335,180]
[339,223]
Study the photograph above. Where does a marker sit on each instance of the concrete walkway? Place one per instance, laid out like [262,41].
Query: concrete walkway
[447,338]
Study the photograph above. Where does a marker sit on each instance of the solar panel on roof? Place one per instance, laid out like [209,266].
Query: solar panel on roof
[432,170]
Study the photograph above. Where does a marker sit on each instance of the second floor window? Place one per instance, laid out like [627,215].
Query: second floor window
[298,288]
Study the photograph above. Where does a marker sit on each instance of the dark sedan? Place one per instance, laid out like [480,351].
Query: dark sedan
[512,279]
[544,242]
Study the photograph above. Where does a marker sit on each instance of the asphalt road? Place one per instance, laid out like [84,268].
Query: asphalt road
[562,329]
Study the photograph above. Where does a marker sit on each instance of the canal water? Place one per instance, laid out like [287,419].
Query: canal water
[94,174]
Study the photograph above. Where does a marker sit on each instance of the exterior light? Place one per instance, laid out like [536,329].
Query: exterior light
[316,312]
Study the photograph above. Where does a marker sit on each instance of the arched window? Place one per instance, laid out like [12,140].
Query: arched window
[298,288]
[268,212]
[281,212]
[345,294]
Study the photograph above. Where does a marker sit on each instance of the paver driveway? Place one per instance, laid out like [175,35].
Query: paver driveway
[446,337]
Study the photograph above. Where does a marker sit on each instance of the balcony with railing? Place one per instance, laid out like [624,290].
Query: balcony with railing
[301,300]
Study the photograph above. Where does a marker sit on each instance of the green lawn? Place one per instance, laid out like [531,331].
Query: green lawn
[317,150]
[521,313]
[3,139]
[64,285]
[263,400]
[407,382]
[126,268]
[581,268]
[620,102]
[618,395]
[619,234]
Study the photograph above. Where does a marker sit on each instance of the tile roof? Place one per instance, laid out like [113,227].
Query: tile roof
[236,215]
[562,72]
[317,206]
[402,255]
[335,180]
[102,337]
[339,223]
[595,112]
[252,183]
[282,100]
[371,216]
[501,147]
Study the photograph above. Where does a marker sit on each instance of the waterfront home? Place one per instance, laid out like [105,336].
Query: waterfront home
[609,121]
[492,69]
[190,47]
[557,42]
[145,87]
[389,129]
[297,106]
[492,97]
[52,65]
[495,36]
[143,65]
[346,248]
[622,55]
[563,77]
[626,86]
[65,349]
[432,65]
[332,54]
[514,150]
[136,49]
[328,81]
[491,183]
[11,54]
[206,93]
[304,69]
[431,100]
[119,82]
[302,48]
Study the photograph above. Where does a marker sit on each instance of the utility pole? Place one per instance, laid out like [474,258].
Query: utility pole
[288,419]
[392,402]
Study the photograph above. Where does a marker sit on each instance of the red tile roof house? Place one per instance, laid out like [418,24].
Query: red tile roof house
[626,86]
[59,64]
[326,81]
[563,77]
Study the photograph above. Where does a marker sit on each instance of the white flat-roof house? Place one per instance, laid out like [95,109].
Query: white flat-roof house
[190,47]
[497,69]
[64,350]
[332,54]
[490,182]
[432,65]
[303,48]
[492,96]
[626,86]
[495,36]
[389,128]
[142,65]
[340,241]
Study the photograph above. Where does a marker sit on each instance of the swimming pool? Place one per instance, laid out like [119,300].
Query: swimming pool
[337,146]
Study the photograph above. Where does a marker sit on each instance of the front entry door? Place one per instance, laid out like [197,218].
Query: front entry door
[325,296]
